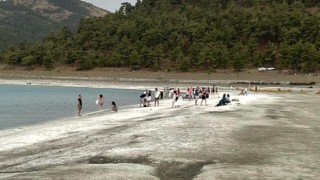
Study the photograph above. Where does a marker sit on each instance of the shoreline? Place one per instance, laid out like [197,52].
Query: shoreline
[142,83]
[275,77]
[267,131]
[164,142]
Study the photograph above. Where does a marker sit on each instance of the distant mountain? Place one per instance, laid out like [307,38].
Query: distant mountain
[32,20]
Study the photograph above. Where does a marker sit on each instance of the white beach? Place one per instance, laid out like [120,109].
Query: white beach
[254,140]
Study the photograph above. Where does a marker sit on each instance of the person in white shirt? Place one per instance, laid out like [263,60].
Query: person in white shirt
[171,91]
[156,97]
[174,98]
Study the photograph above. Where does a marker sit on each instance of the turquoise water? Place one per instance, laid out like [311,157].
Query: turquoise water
[29,104]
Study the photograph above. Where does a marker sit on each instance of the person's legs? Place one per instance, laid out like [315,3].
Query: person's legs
[144,102]
[79,109]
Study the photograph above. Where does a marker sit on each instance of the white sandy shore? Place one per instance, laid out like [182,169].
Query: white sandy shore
[200,142]
[146,83]
[25,136]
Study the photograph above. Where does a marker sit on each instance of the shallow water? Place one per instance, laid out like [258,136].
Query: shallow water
[29,104]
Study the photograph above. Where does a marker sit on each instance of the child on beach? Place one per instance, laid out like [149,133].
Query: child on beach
[174,98]
[113,107]
[100,101]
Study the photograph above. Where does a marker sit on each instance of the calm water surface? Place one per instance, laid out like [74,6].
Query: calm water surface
[29,104]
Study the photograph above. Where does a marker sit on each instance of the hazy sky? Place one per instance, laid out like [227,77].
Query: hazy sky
[110,5]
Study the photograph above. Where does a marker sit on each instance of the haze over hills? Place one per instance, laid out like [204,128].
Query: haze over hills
[32,20]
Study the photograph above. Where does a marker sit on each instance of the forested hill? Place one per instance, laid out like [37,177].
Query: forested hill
[186,35]
[31,20]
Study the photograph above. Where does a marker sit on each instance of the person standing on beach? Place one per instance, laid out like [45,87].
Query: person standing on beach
[148,98]
[175,98]
[255,89]
[161,93]
[203,97]
[156,97]
[196,95]
[79,104]
[100,101]
[171,92]
[190,92]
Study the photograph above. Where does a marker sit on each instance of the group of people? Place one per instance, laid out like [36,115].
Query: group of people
[193,93]
[99,102]
[146,98]
[198,93]
[225,100]
[173,93]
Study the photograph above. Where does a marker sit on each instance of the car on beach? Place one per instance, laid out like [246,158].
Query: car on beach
[262,69]
[266,69]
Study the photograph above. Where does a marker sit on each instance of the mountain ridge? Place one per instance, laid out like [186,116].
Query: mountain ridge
[32,20]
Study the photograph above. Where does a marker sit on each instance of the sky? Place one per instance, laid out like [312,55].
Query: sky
[110,5]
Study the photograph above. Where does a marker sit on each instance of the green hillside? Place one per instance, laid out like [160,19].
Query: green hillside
[30,21]
[186,35]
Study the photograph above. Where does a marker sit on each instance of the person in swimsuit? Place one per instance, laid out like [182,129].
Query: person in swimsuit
[100,101]
[113,107]
[203,97]
[79,104]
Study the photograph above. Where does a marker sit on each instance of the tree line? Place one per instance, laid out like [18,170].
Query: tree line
[185,35]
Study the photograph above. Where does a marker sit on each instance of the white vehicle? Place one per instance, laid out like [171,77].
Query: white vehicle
[262,69]
[266,69]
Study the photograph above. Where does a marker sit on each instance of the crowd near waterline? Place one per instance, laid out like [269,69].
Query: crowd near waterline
[197,94]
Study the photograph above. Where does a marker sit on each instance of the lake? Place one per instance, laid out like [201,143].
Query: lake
[29,104]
